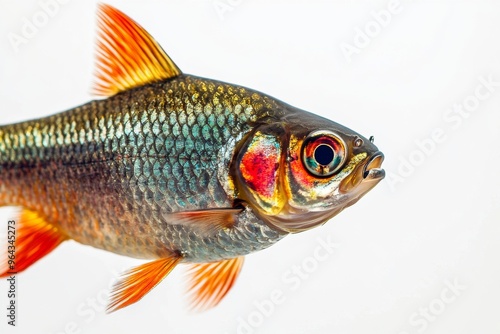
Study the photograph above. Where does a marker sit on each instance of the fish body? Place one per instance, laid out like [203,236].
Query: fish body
[110,172]
[176,168]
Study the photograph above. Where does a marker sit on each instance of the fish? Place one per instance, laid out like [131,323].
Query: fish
[174,169]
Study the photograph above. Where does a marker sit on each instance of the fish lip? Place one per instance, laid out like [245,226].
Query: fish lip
[372,170]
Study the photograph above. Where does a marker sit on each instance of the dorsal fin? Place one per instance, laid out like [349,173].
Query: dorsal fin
[127,56]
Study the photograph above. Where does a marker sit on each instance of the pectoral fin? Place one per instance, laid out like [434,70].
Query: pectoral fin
[207,221]
[138,281]
[210,282]
[32,239]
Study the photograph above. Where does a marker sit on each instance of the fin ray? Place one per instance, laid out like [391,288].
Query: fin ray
[138,281]
[35,238]
[208,221]
[127,56]
[210,282]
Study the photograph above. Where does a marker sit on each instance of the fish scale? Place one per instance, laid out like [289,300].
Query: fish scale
[174,168]
[136,152]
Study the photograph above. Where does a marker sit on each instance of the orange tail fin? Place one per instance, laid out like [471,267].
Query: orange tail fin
[32,239]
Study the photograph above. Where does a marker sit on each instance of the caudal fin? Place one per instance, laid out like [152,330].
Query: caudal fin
[28,239]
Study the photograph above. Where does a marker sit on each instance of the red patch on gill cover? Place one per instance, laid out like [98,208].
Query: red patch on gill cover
[259,165]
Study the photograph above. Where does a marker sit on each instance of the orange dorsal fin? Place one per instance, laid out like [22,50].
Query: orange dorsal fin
[207,221]
[34,238]
[127,56]
[138,281]
[210,282]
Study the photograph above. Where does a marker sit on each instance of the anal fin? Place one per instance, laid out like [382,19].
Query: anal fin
[138,281]
[210,282]
[34,238]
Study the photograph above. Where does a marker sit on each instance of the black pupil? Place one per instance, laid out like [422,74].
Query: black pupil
[324,154]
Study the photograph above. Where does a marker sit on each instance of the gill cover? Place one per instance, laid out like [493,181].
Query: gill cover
[259,171]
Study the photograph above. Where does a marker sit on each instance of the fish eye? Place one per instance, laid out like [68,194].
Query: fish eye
[323,153]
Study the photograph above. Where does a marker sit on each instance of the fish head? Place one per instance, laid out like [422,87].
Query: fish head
[303,170]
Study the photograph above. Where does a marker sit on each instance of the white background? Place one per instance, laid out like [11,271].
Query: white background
[398,248]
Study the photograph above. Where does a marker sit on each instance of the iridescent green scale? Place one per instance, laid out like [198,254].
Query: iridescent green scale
[148,152]
[175,168]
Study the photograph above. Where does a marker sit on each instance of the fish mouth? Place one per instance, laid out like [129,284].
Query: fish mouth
[365,176]
[372,170]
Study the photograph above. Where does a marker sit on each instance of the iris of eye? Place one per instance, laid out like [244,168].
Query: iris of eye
[324,154]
